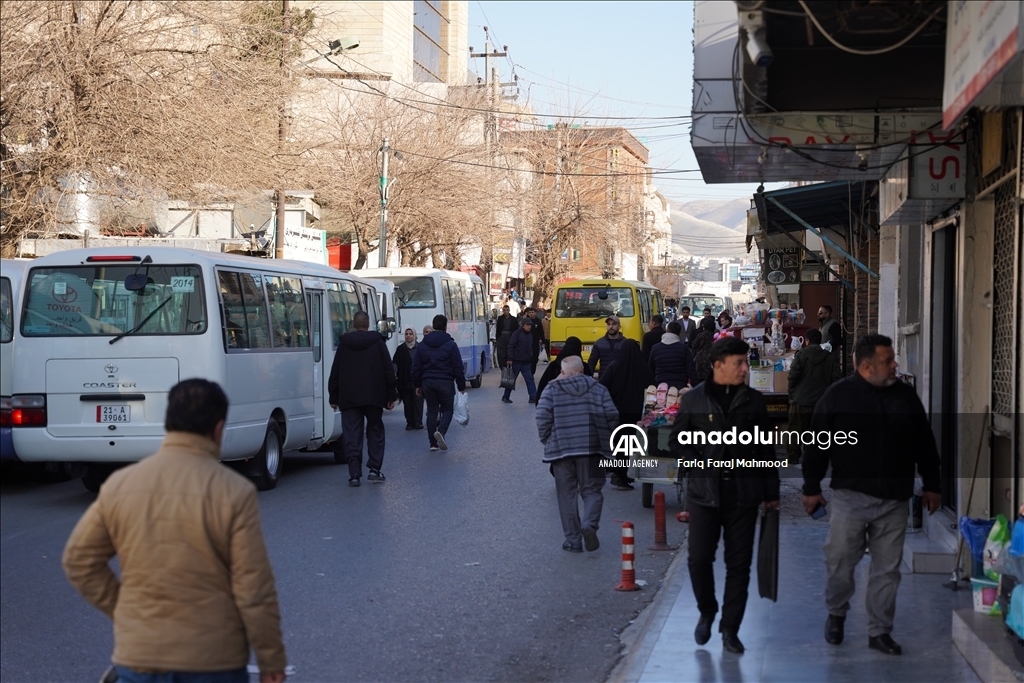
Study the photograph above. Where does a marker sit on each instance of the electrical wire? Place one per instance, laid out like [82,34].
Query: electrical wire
[878,51]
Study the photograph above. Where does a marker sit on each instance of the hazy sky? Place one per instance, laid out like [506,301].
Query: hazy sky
[619,59]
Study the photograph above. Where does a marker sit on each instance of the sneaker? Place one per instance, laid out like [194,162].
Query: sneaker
[506,400]
[409,428]
[569,547]
[590,541]
[353,482]
[376,476]
[439,438]
[434,448]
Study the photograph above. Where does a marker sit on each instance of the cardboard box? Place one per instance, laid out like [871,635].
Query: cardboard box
[762,379]
[782,381]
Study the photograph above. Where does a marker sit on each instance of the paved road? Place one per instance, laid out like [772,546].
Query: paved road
[451,571]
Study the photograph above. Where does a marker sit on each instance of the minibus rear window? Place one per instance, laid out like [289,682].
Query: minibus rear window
[90,300]
[587,302]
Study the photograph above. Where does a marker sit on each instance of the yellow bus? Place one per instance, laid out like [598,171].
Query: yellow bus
[580,307]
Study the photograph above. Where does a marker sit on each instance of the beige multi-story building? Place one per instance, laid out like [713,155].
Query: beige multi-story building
[423,41]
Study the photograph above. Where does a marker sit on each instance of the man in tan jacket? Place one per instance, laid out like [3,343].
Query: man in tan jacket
[196,589]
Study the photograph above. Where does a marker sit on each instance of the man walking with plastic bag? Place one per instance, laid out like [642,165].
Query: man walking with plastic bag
[437,371]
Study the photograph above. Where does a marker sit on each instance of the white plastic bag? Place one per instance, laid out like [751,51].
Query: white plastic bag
[461,413]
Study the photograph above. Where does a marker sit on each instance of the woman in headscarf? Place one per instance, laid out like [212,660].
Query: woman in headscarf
[702,344]
[573,347]
[627,378]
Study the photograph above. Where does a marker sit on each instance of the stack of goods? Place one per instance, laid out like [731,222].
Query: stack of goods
[661,405]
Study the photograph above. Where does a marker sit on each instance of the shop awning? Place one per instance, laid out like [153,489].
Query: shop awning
[835,206]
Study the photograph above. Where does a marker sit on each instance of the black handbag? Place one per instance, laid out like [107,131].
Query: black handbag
[508,378]
[768,556]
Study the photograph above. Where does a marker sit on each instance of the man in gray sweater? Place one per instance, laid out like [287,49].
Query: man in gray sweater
[575,419]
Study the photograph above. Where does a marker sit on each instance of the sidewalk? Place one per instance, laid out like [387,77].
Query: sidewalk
[785,640]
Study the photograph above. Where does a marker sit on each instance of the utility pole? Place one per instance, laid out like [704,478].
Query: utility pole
[282,131]
[382,246]
[491,79]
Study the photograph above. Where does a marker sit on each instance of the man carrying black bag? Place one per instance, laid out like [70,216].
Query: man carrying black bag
[722,498]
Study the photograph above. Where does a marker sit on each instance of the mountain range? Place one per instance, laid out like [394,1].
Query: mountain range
[709,228]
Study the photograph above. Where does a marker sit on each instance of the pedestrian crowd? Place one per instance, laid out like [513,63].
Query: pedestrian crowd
[196,592]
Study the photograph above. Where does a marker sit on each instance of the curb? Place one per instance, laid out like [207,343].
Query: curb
[639,639]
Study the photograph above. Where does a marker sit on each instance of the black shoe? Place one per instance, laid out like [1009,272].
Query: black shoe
[702,634]
[590,541]
[885,643]
[418,427]
[376,476]
[571,548]
[532,400]
[506,400]
[731,643]
[353,482]
[409,428]
[834,629]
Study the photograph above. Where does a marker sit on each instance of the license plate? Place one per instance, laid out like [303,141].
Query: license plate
[113,413]
[587,348]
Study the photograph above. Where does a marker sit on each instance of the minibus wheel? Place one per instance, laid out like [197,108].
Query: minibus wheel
[267,468]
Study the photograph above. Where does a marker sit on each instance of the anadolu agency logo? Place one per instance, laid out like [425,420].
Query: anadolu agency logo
[628,444]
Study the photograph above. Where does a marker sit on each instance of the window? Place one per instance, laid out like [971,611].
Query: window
[6,311]
[92,300]
[429,59]
[246,325]
[575,253]
[644,298]
[416,292]
[464,307]
[343,303]
[587,302]
[288,318]
[481,307]
[316,316]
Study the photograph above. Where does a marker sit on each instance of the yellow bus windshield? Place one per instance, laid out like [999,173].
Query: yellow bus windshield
[593,302]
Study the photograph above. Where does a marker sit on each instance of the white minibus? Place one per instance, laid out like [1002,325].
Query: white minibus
[12,274]
[424,292]
[106,332]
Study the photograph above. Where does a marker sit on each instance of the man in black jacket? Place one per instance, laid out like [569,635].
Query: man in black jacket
[504,326]
[520,351]
[721,492]
[362,384]
[606,349]
[653,335]
[538,338]
[437,369]
[877,433]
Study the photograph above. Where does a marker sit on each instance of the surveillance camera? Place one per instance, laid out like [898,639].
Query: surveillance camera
[758,51]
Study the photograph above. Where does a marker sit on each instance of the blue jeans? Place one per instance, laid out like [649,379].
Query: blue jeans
[440,398]
[126,675]
[523,368]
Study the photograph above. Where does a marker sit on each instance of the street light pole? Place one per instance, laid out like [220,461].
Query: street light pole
[382,246]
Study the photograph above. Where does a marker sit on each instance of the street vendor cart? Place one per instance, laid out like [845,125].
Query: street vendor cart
[665,473]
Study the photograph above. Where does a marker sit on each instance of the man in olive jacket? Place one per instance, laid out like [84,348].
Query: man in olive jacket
[720,496]
[813,370]
[196,589]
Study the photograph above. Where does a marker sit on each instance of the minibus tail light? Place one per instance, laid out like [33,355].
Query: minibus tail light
[556,347]
[28,411]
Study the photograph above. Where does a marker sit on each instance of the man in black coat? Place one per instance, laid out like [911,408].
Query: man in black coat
[813,370]
[504,326]
[606,349]
[537,330]
[672,361]
[877,435]
[519,349]
[721,493]
[653,335]
[362,384]
[402,359]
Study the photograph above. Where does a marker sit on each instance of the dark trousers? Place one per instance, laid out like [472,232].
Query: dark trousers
[502,347]
[440,397]
[705,528]
[536,358]
[352,438]
[413,406]
[799,420]
[522,368]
